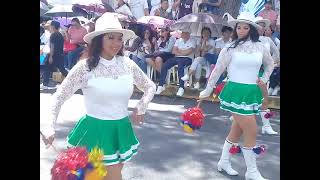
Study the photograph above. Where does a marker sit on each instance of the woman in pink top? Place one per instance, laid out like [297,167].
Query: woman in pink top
[268,13]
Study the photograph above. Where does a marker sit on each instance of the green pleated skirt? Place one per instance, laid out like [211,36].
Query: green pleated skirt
[242,99]
[115,137]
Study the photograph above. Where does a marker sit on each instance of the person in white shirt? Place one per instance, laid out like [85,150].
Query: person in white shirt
[205,45]
[45,38]
[163,49]
[107,79]
[139,8]
[225,39]
[183,50]
[123,8]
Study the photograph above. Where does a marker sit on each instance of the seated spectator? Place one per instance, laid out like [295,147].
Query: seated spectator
[123,8]
[225,39]
[184,53]
[205,46]
[162,11]
[75,35]
[163,49]
[268,33]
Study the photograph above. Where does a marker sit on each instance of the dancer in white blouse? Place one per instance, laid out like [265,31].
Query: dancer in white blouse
[243,93]
[107,80]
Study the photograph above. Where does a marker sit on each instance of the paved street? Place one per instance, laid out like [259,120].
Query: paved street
[166,152]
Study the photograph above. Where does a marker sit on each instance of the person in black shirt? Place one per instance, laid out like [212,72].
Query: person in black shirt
[55,57]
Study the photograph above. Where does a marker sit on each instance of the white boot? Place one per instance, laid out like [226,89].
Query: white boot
[266,128]
[224,162]
[252,170]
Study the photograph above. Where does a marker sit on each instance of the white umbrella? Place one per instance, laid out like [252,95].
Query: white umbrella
[43,8]
[62,11]
[196,21]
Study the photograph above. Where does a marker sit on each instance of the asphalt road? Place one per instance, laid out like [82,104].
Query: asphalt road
[166,152]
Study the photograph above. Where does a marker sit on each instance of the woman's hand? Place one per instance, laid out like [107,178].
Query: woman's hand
[137,119]
[264,90]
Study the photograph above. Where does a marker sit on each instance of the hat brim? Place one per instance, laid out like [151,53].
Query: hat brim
[265,21]
[233,23]
[127,34]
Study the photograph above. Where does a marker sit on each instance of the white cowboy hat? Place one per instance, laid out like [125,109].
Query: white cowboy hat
[244,17]
[260,19]
[108,23]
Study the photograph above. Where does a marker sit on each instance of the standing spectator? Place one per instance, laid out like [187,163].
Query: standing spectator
[123,8]
[184,53]
[163,50]
[211,6]
[75,34]
[162,11]
[139,8]
[268,13]
[55,57]
[156,4]
[45,37]
[184,7]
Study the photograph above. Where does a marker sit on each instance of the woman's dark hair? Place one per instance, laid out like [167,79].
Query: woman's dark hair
[252,34]
[94,51]
[206,28]
[226,28]
[272,31]
[163,44]
[164,1]
[75,20]
[152,34]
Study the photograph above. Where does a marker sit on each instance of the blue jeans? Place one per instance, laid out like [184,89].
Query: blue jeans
[73,56]
[141,63]
[212,59]
[182,62]
[275,78]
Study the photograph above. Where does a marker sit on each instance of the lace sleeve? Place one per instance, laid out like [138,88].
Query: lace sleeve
[76,79]
[222,62]
[144,84]
[268,65]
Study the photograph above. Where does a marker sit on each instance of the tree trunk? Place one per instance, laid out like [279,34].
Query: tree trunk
[232,7]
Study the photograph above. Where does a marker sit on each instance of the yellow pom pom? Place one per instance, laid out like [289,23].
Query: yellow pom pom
[95,158]
[187,128]
[93,175]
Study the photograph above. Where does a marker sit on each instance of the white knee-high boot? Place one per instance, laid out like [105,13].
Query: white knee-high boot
[266,128]
[252,169]
[224,162]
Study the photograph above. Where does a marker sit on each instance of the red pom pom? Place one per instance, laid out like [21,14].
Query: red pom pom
[219,88]
[194,116]
[234,149]
[69,160]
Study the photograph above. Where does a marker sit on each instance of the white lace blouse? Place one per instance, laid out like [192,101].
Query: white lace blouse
[107,89]
[243,63]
